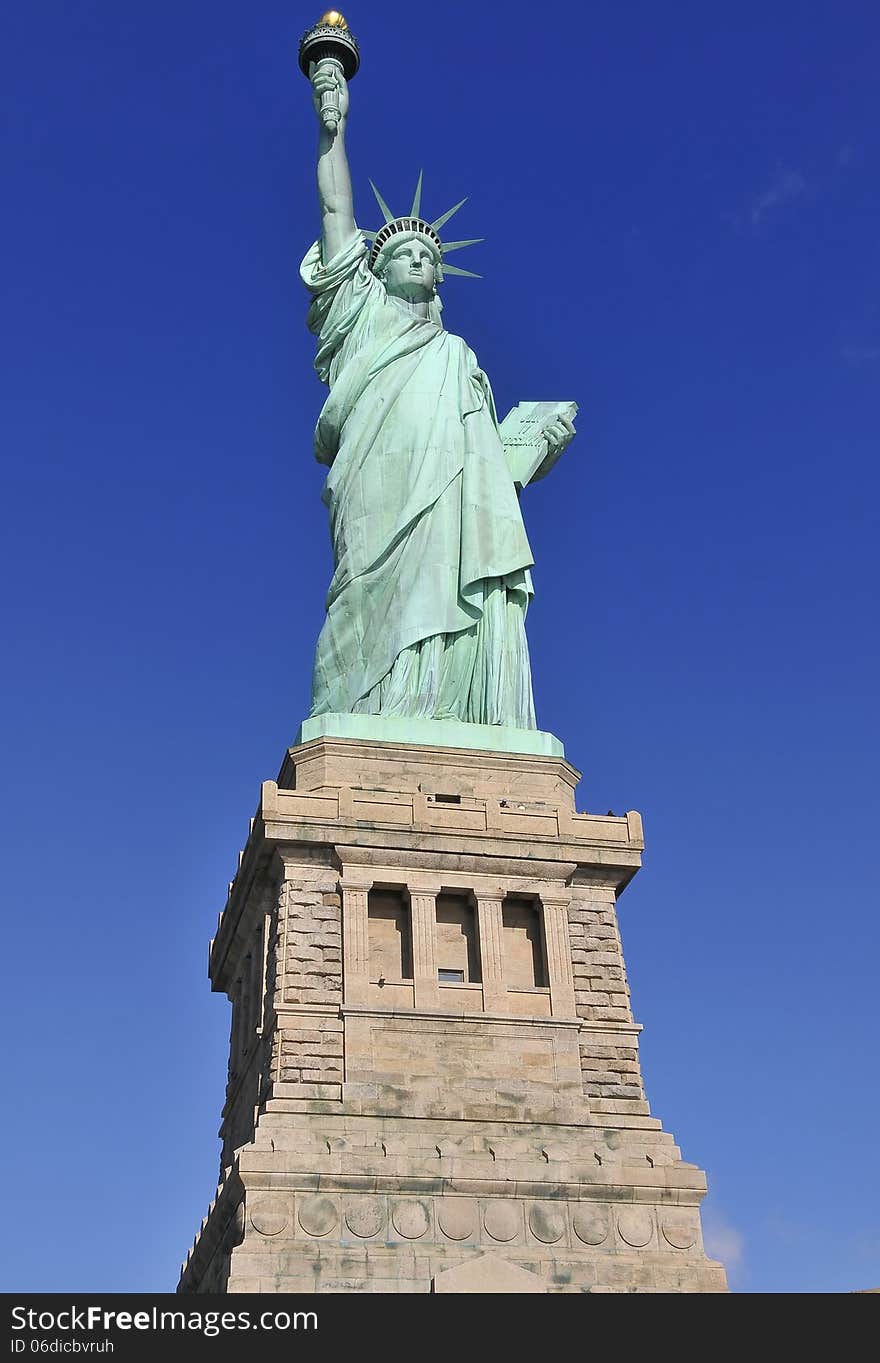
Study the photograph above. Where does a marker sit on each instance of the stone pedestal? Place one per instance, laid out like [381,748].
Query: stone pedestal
[433,1060]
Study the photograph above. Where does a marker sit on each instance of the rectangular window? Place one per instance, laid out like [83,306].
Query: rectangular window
[388,925]
[524,966]
[450,976]
[457,951]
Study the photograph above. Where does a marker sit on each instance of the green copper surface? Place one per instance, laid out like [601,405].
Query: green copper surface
[425,625]
[437,733]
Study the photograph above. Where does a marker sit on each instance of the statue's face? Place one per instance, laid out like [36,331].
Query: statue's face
[410,271]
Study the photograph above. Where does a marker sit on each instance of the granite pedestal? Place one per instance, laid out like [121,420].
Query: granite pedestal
[434,1077]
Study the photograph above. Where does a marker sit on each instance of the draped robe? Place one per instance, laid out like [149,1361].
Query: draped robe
[426,608]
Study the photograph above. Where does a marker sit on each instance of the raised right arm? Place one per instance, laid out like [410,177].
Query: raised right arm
[338,226]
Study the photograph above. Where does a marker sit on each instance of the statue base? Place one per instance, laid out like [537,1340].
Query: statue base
[434,1080]
[431,733]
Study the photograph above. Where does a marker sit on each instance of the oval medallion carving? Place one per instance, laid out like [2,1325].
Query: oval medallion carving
[502,1220]
[635,1226]
[317,1215]
[547,1223]
[269,1218]
[410,1219]
[679,1232]
[364,1217]
[591,1225]
[457,1217]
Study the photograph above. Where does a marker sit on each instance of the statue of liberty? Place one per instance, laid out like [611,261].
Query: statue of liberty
[426,609]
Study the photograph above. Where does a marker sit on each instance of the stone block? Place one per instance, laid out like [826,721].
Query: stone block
[488,1273]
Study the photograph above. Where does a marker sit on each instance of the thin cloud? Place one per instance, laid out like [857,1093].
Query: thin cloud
[788,185]
[861,354]
[850,156]
[723,1241]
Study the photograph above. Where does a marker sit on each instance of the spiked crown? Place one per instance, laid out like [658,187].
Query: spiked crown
[414,225]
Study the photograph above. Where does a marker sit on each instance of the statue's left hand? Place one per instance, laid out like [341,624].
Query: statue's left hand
[558,434]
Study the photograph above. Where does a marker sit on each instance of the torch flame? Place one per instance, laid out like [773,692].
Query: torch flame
[334,19]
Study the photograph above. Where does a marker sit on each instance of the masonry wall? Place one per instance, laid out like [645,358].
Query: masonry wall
[379,1131]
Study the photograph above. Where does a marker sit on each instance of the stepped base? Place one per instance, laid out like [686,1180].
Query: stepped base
[444,733]
[463,1114]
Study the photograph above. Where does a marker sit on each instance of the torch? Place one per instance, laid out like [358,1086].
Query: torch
[330,42]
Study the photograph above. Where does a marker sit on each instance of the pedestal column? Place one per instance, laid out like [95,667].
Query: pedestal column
[355,940]
[423,902]
[559,974]
[491,929]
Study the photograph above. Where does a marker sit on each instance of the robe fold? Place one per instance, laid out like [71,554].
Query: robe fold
[426,608]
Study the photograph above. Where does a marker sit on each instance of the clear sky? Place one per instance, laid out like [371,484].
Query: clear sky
[680,204]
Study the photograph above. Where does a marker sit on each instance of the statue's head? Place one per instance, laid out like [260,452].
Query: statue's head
[410,266]
[407,253]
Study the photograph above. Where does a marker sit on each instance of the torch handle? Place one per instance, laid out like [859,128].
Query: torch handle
[330,98]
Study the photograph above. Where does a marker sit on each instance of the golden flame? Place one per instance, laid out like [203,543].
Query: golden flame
[334,18]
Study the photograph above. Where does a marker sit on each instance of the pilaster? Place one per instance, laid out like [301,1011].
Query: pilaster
[423,901]
[355,939]
[491,936]
[559,972]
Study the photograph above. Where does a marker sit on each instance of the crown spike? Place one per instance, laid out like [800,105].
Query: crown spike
[417,198]
[439,222]
[386,211]
[453,269]
[457,245]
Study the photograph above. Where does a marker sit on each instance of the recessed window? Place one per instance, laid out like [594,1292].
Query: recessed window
[524,965]
[389,935]
[457,952]
[450,976]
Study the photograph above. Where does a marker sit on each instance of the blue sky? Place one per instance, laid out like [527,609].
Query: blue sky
[680,206]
